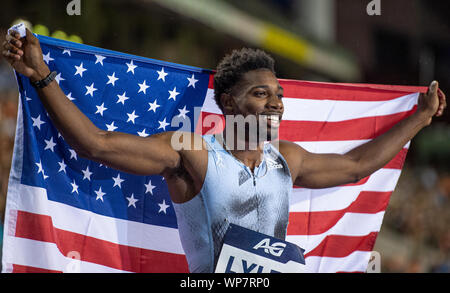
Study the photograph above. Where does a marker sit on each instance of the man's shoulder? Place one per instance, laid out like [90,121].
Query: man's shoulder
[290,150]
[287,146]
[187,179]
[186,142]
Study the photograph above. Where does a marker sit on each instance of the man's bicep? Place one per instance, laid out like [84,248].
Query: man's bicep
[326,170]
[133,154]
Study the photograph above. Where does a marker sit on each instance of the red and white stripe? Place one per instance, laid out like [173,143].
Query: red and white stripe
[338,226]
[41,228]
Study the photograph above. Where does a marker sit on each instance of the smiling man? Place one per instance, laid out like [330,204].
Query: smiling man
[236,177]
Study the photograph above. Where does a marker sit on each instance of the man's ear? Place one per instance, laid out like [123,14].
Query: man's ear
[227,102]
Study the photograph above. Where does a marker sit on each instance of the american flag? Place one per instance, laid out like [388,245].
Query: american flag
[68,214]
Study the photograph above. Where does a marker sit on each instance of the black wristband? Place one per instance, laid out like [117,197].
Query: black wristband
[44,82]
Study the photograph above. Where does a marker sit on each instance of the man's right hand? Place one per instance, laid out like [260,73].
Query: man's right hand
[25,55]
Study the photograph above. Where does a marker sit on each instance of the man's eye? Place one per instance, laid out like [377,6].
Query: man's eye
[280,97]
[260,94]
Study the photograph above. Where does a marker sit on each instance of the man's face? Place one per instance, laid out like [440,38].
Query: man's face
[258,93]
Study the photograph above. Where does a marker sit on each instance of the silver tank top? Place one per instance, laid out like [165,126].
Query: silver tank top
[232,193]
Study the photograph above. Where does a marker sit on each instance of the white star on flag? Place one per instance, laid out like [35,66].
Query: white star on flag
[131,67]
[143,87]
[87,174]
[192,81]
[163,207]
[112,79]
[122,98]
[80,69]
[49,144]
[149,187]
[99,194]
[132,201]
[111,127]
[26,97]
[73,154]
[62,166]
[162,75]
[118,181]
[66,51]
[132,117]
[101,109]
[153,106]
[74,187]
[37,122]
[163,124]
[47,58]
[100,59]
[69,96]
[41,169]
[59,78]
[173,94]
[183,112]
[90,90]
[143,133]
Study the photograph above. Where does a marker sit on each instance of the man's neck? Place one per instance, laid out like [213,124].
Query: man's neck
[248,152]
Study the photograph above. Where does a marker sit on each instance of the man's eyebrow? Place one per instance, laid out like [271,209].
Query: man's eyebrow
[265,86]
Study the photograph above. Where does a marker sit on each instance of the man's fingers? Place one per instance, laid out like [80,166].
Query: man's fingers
[13,40]
[13,36]
[442,103]
[442,98]
[16,43]
[10,57]
[433,87]
[9,37]
[13,49]
[11,46]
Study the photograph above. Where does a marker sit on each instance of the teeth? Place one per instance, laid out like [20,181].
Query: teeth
[271,117]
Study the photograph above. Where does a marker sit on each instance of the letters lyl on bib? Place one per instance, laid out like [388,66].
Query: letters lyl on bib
[247,251]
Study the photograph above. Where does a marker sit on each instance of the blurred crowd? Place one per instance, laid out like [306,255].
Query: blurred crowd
[419,212]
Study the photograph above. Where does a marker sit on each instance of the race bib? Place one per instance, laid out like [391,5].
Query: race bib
[247,251]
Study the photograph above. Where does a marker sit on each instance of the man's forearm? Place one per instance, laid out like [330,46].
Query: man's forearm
[378,152]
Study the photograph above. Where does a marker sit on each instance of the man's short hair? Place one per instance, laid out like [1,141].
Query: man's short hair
[233,66]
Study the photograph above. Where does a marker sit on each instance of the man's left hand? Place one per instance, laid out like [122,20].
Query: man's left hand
[433,103]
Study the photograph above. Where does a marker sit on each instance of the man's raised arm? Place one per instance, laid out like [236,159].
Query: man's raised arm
[328,170]
[128,153]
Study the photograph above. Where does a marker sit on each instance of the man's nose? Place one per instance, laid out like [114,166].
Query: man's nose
[275,104]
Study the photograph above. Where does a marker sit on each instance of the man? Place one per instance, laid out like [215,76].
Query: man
[215,184]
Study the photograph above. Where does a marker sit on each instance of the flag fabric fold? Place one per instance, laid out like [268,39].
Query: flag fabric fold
[68,214]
